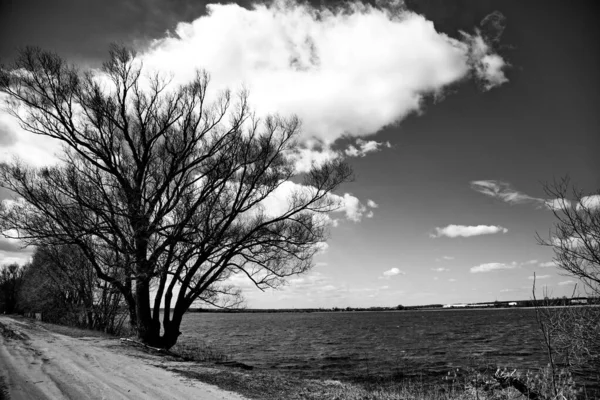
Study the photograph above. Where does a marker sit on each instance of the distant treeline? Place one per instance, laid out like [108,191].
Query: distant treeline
[547,302]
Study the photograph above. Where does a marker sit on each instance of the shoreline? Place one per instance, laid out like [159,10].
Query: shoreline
[110,367]
[408,309]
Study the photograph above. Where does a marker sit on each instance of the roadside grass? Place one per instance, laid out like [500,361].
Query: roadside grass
[198,350]
[62,329]
[4,389]
[276,386]
[10,334]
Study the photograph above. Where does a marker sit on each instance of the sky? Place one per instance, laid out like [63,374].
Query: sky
[451,128]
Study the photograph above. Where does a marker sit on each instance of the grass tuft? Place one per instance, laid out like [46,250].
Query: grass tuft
[198,350]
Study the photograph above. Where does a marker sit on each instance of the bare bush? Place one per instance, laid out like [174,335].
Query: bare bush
[61,284]
[572,334]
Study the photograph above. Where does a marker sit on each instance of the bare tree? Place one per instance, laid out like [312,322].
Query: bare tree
[572,334]
[161,185]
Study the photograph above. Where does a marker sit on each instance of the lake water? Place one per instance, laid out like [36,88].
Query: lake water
[353,344]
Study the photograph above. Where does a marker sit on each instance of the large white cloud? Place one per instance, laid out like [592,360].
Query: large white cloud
[345,72]
[349,71]
[453,231]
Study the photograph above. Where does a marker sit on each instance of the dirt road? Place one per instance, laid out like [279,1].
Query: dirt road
[39,364]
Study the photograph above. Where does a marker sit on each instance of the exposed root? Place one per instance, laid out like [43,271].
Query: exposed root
[157,349]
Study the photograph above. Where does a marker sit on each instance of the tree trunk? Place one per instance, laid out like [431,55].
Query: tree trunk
[130,300]
[148,331]
[90,319]
[132,314]
[170,336]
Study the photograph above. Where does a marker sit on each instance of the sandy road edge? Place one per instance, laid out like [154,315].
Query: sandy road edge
[37,360]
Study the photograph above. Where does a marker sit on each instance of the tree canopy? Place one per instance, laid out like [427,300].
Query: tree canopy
[162,190]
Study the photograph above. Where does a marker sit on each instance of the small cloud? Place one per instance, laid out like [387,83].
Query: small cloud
[440,269]
[372,204]
[312,283]
[509,290]
[393,271]
[277,203]
[363,147]
[557,204]
[504,191]
[530,262]
[7,136]
[536,277]
[10,245]
[322,247]
[489,67]
[451,280]
[569,282]
[17,259]
[574,242]
[589,203]
[453,231]
[488,267]
[307,158]
[353,208]
[547,264]
[435,278]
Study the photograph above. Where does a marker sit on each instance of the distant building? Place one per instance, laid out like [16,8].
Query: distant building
[454,306]
[512,303]
[579,301]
